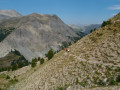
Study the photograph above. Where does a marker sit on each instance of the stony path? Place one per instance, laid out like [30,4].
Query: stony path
[92,61]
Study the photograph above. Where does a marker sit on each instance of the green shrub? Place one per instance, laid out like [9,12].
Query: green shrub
[102,83]
[20,64]
[99,34]
[105,23]
[13,81]
[118,78]
[41,60]
[17,52]
[7,77]
[33,63]
[112,81]
[16,80]
[50,54]
[8,68]
[62,88]
[14,67]
[84,83]
[2,75]
[92,30]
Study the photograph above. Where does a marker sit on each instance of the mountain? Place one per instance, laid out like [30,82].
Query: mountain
[10,13]
[7,14]
[3,17]
[86,29]
[33,35]
[93,63]
[74,26]
[77,30]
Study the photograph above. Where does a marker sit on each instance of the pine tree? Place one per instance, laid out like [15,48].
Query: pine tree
[41,60]
[50,54]
[33,63]
[14,67]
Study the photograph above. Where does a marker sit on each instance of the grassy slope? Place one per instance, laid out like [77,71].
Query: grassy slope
[93,58]
[86,61]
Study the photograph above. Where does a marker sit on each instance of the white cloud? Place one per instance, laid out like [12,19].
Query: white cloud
[115,7]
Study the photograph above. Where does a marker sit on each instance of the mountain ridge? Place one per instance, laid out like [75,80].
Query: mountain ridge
[10,13]
[36,31]
[86,28]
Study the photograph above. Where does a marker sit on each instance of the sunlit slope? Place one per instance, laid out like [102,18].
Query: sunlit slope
[92,59]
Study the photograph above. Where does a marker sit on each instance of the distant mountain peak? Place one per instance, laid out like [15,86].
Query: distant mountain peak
[10,13]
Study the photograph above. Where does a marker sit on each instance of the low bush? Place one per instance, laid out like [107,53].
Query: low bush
[105,23]
[112,81]
[102,83]
[41,60]
[118,78]
[33,63]
[7,77]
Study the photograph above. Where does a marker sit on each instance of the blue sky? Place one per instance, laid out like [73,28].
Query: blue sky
[70,11]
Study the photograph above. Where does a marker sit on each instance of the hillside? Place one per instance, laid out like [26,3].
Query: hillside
[14,57]
[93,61]
[33,35]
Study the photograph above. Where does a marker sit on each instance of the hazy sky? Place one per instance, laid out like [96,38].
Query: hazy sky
[70,11]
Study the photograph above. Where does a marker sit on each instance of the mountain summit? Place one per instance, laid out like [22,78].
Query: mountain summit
[10,13]
[7,14]
[33,35]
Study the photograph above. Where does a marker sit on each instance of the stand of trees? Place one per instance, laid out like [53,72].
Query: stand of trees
[106,23]
[5,32]
[34,61]
[92,30]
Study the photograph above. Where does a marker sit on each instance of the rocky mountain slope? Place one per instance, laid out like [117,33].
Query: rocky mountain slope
[92,61]
[33,35]
[7,14]
[10,13]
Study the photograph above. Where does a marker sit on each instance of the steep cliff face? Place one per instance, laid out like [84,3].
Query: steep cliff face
[35,34]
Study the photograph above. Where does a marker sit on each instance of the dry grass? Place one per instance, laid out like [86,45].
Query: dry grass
[88,61]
